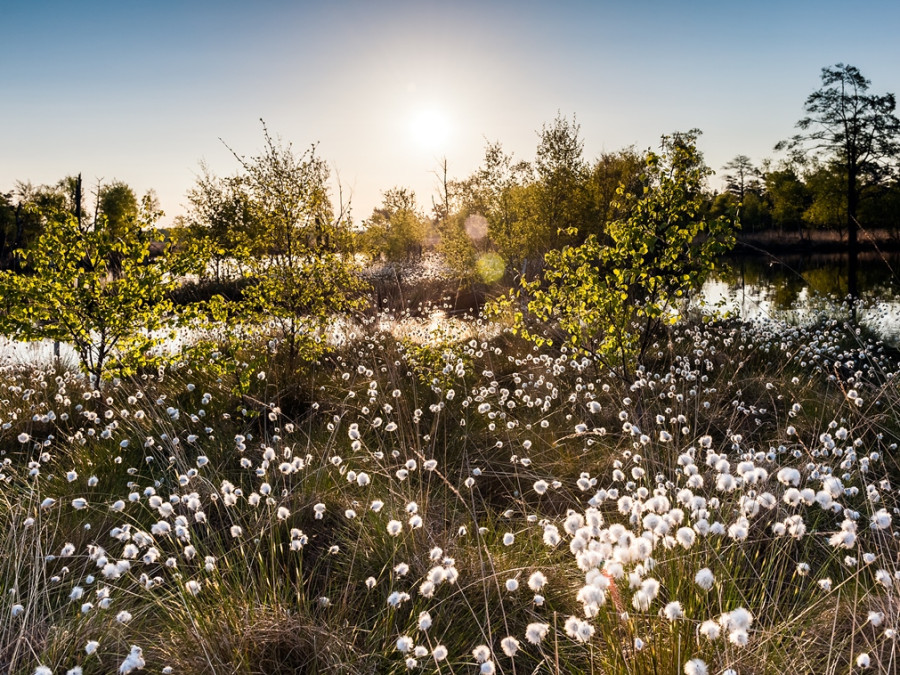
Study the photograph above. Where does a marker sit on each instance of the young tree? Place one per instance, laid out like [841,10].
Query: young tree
[7,227]
[117,212]
[451,207]
[742,176]
[28,208]
[828,208]
[608,172]
[595,295]
[117,203]
[303,273]
[34,204]
[506,194]
[221,230]
[563,175]
[855,129]
[458,251]
[788,197]
[397,229]
[881,211]
[72,293]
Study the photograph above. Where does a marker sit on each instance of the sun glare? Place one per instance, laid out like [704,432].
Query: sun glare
[430,129]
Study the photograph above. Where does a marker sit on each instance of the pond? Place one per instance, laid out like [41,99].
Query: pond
[799,288]
[796,288]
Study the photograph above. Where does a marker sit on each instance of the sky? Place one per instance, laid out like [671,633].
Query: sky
[144,92]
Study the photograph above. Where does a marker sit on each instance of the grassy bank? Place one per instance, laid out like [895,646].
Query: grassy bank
[460,503]
[804,242]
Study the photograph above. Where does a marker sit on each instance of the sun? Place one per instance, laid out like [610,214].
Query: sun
[430,129]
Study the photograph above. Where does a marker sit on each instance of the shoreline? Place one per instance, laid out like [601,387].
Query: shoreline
[801,243]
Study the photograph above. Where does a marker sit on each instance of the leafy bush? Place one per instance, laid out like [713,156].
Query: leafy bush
[607,299]
[96,289]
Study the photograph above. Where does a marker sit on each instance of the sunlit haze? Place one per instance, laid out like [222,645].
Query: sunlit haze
[431,129]
[143,92]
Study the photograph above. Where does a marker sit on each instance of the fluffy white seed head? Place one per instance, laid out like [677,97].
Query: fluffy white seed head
[696,667]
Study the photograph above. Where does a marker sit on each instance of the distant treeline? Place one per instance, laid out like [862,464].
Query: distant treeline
[522,209]
[26,210]
[517,208]
[839,175]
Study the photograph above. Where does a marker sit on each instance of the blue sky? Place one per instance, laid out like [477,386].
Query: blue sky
[142,92]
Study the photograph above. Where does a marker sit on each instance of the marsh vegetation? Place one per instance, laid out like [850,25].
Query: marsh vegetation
[294,464]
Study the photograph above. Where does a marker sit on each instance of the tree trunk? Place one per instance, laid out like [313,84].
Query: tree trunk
[20,232]
[78,200]
[852,246]
[3,237]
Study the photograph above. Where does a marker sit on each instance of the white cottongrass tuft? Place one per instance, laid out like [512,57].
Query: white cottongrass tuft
[686,537]
[737,619]
[705,579]
[134,660]
[536,632]
[537,581]
[881,519]
[509,645]
[578,629]
[481,653]
[695,667]
[788,476]
[397,598]
[710,630]
[673,611]
[739,637]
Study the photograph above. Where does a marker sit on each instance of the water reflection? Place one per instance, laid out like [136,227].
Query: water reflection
[39,352]
[796,288]
[800,288]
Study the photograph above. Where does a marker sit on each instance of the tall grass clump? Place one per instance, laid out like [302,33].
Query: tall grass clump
[437,497]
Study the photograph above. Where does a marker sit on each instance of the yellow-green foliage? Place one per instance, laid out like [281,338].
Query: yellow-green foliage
[95,289]
[396,230]
[294,255]
[596,291]
[438,362]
